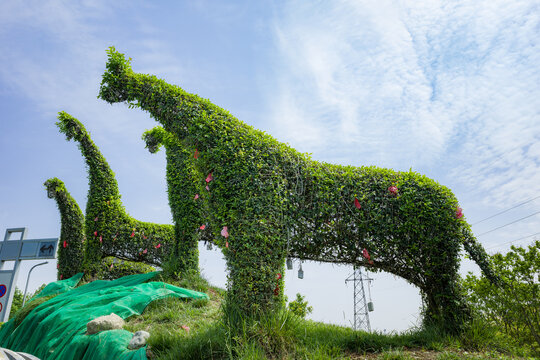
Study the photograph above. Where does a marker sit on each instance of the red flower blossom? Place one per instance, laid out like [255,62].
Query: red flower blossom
[209,178]
[132,234]
[459,213]
[111,267]
[157,246]
[227,244]
[61,276]
[65,244]
[100,239]
[224,232]
[196,155]
[278,276]
[95,233]
[357,203]
[393,190]
[366,254]
[276,290]
[185,328]
[202,227]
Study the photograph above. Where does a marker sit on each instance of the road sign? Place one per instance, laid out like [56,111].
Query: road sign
[17,250]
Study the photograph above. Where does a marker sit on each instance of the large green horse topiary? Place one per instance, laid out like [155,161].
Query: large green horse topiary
[266,201]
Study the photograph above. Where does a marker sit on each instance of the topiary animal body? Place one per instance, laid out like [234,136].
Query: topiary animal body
[274,201]
[110,231]
[72,236]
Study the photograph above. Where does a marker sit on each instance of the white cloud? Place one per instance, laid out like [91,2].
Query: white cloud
[446,85]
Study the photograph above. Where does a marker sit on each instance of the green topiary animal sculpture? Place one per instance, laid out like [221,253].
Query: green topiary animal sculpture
[267,201]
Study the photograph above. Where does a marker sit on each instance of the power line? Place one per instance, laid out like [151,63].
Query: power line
[502,212]
[510,223]
[513,241]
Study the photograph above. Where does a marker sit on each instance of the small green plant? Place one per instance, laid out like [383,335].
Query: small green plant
[300,307]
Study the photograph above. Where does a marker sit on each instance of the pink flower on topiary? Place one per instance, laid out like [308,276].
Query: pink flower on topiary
[207,188]
[95,233]
[196,197]
[357,203]
[365,254]
[209,178]
[145,251]
[65,244]
[112,265]
[202,227]
[158,246]
[100,239]
[227,244]
[96,219]
[225,232]
[393,190]
[185,328]
[459,213]
[132,234]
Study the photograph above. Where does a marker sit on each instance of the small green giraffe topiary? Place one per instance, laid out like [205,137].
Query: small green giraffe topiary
[109,230]
[72,235]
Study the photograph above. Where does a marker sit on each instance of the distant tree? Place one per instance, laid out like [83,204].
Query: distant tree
[514,306]
[16,305]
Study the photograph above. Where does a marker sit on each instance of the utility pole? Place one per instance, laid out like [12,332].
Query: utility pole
[361,315]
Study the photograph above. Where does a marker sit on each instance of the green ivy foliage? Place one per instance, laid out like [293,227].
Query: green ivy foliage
[112,268]
[72,237]
[109,230]
[275,201]
[187,206]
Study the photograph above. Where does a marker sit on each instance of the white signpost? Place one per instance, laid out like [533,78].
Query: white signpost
[17,250]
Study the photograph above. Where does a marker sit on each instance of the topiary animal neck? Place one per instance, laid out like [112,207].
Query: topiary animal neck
[103,184]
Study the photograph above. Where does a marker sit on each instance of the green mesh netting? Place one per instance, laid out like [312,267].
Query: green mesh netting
[56,329]
[58,287]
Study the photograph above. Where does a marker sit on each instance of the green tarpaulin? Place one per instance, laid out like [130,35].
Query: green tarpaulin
[56,329]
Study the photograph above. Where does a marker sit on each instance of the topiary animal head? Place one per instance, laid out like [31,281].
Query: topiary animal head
[70,126]
[54,186]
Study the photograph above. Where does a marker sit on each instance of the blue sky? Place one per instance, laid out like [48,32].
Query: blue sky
[447,88]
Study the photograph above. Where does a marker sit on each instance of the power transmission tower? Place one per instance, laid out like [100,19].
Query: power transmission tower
[361,316]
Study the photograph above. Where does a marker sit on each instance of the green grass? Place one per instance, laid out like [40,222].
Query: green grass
[219,331]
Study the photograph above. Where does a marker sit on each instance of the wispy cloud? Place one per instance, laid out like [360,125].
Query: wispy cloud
[446,85]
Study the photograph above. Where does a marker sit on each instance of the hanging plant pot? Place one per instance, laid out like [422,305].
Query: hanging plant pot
[370,306]
[289,264]
[209,246]
[300,272]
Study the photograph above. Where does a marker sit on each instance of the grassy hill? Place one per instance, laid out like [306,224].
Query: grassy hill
[209,329]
